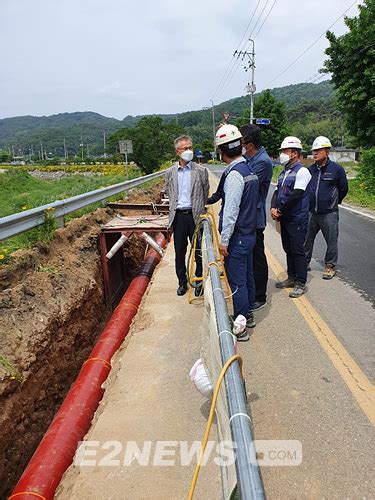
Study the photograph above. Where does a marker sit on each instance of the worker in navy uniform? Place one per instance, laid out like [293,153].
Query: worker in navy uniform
[290,205]
[261,164]
[328,187]
[187,186]
[238,189]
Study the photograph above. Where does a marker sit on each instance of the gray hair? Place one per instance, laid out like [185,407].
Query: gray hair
[182,138]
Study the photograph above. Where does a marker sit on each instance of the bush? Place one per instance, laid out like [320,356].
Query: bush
[367,170]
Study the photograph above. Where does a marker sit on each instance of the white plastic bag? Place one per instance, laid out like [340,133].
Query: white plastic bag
[200,379]
[239,325]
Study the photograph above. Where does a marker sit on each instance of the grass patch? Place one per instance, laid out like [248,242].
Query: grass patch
[10,369]
[359,195]
[276,172]
[20,191]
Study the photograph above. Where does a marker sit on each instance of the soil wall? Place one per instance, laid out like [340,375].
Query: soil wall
[52,310]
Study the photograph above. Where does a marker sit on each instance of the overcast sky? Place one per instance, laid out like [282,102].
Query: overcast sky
[122,57]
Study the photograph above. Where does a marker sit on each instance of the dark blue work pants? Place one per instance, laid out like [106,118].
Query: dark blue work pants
[239,269]
[293,233]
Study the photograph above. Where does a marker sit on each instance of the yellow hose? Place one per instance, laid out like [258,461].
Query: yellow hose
[210,419]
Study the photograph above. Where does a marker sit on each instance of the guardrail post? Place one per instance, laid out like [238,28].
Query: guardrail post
[60,221]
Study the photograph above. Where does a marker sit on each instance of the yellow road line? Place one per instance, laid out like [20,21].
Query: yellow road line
[357,382]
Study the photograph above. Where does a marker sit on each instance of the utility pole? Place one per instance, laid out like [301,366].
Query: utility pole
[213,127]
[41,150]
[105,147]
[250,87]
[64,149]
[81,146]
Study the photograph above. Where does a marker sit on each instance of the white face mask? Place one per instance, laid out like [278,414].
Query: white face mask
[187,155]
[284,158]
[244,153]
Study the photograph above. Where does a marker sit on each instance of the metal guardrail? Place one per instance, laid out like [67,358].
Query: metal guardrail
[23,221]
[248,477]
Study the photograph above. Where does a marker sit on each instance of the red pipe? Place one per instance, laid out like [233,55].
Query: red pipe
[56,450]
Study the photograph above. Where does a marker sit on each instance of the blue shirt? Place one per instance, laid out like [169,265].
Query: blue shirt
[183,182]
[261,165]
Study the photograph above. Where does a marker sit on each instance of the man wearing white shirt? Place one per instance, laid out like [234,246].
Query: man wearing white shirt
[290,205]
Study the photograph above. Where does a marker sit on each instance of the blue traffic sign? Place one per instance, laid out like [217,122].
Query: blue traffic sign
[262,121]
[199,153]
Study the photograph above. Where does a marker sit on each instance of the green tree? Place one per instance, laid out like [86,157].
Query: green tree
[5,156]
[267,106]
[352,65]
[152,142]
[367,170]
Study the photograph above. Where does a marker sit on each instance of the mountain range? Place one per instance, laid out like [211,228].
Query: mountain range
[25,134]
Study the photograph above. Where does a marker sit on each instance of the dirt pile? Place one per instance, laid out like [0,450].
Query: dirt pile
[52,310]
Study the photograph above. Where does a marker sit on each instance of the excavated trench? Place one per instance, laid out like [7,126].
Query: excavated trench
[52,310]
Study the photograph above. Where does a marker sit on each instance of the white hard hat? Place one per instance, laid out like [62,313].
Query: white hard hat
[227,133]
[321,142]
[291,142]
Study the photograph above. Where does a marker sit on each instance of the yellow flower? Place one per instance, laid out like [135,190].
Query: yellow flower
[2,257]
[24,207]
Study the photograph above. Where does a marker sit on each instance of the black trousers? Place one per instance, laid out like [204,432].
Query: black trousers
[183,229]
[260,268]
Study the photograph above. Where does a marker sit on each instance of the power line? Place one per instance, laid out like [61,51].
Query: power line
[231,59]
[237,62]
[311,45]
[269,12]
[260,15]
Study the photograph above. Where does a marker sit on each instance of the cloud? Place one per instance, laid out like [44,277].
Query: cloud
[110,88]
[121,58]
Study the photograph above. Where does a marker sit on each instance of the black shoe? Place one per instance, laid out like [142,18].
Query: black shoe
[259,305]
[244,336]
[298,290]
[308,267]
[198,292]
[182,289]
[250,322]
[288,283]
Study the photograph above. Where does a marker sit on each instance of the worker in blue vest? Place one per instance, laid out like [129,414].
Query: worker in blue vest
[290,205]
[238,222]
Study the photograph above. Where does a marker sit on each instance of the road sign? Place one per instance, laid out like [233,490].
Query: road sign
[263,121]
[126,146]
[199,153]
